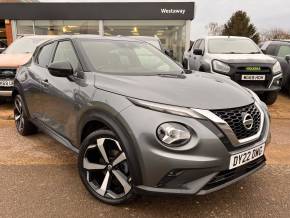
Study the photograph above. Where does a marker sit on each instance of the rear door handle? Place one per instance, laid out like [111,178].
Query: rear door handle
[45,82]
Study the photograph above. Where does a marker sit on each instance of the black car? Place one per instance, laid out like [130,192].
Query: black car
[3,46]
[139,122]
[280,49]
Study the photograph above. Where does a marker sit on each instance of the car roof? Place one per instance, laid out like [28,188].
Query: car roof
[226,37]
[38,37]
[97,37]
[278,42]
[144,37]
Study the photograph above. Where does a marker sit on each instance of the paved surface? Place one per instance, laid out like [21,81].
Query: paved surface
[38,178]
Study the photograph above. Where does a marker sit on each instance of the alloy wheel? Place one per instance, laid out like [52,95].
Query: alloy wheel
[106,168]
[18,114]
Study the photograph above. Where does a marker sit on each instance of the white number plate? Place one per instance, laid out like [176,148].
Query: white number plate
[6,83]
[246,156]
[253,77]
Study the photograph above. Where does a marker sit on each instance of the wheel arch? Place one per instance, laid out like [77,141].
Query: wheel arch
[96,119]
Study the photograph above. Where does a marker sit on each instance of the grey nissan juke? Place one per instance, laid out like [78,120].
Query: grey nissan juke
[138,121]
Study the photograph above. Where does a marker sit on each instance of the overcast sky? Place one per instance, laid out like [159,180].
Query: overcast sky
[265,14]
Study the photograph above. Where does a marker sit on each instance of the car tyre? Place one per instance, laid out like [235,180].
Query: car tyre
[103,168]
[270,97]
[23,125]
[2,100]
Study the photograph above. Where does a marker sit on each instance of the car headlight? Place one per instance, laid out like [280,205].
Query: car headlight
[169,109]
[220,67]
[277,68]
[173,134]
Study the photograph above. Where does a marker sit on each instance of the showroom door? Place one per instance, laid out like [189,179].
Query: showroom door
[60,107]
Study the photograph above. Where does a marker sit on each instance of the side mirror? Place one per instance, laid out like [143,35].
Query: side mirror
[61,69]
[287,58]
[197,52]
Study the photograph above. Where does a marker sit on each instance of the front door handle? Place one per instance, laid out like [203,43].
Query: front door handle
[45,82]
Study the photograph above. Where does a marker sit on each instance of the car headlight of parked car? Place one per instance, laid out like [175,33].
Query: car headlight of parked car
[277,68]
[169,109]
[173,134]
[220,67]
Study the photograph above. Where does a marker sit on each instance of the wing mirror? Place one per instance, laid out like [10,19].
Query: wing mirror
[61,69]
[197,52]
[287,58]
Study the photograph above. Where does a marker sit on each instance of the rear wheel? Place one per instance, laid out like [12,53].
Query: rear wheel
[103,168]
[270,97]
[23,125]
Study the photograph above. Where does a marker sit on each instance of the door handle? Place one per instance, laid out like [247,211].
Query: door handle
[45,82]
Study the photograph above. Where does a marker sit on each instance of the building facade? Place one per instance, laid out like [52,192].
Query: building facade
[169,21]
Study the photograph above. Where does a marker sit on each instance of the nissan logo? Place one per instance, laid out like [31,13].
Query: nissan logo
[248,121]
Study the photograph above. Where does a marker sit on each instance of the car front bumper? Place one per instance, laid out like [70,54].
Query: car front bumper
[5,93]
[186,171]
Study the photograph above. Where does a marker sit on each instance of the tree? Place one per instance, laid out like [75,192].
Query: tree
[214,29]
[239,25]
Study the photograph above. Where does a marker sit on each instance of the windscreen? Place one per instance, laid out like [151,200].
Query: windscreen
[155,43]
[23,45]
[127,57]
[232,46]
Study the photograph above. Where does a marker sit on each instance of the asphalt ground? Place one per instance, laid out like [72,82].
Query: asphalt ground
[39,178]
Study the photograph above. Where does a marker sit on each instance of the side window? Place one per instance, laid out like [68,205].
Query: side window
[44,55]
[283,51]
[196,45]
[201,46]
[271,50]
[65,52]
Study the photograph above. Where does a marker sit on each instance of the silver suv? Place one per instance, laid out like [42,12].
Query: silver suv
[137,121]
[240,59]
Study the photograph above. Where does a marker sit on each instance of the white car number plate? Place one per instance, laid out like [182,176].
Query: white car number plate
[6,83]
[253,77]
[246,156]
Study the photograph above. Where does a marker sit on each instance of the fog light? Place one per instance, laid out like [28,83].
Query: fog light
[173,134]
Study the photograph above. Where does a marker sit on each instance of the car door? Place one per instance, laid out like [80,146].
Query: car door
[60,107]
[282,52]
[192,56]
[35,76]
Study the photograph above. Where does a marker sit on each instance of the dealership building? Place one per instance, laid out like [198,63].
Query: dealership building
[168,20]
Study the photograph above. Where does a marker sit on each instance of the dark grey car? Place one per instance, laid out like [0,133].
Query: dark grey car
[139,123]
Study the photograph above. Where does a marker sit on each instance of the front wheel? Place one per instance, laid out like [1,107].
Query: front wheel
[270,97]
[103,168]
[23,125]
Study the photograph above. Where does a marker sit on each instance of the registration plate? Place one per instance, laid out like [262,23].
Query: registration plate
[6,83]
[253,77]
[246,156]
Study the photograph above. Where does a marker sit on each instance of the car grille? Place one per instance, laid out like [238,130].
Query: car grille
[234,118]
[7,73]
[242,70]
[229,175]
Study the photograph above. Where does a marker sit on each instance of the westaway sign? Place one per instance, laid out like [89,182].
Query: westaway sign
[98,11]
[172,11]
